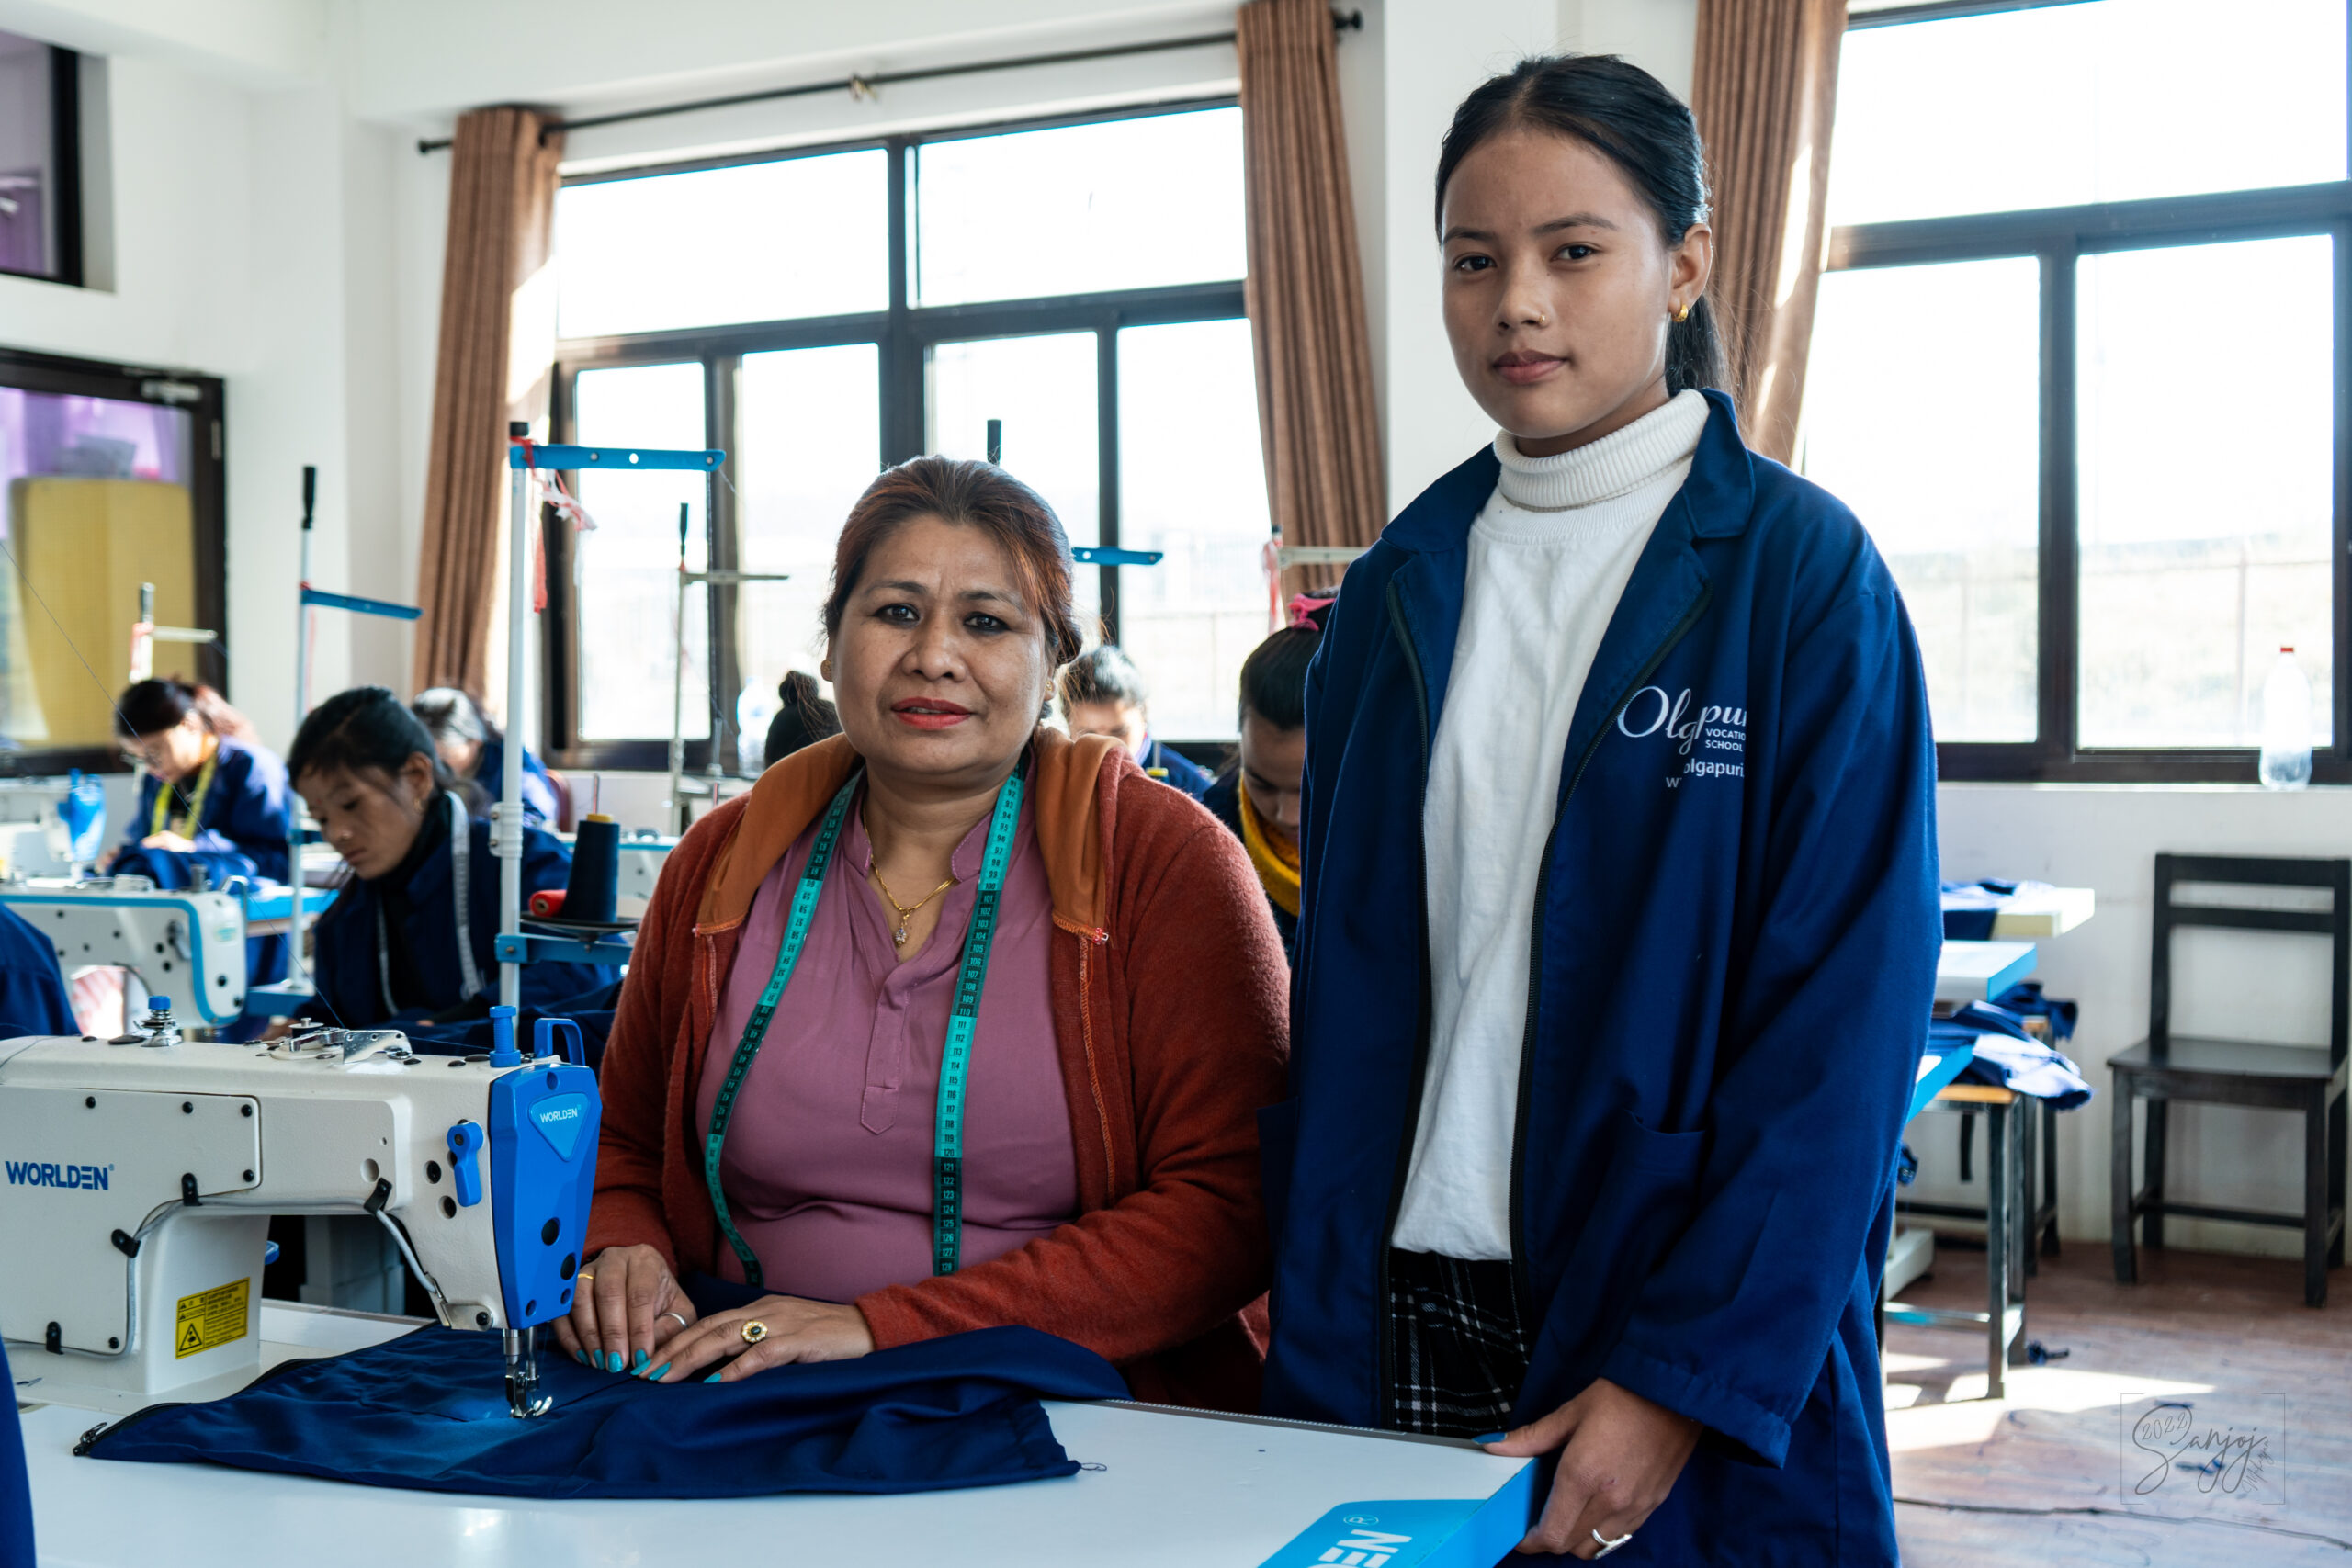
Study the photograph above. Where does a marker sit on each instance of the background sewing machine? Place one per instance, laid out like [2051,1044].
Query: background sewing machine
[185,943]
[141,1175]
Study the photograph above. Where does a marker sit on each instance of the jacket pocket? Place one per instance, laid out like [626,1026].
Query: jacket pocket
[1642,1204]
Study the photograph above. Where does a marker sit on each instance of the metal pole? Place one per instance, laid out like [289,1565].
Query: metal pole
[507,815]
[678,689]
[297,965]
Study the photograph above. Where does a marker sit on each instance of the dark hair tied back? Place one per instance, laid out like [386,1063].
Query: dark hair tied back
[1623,112]
[364,729]
[150,708]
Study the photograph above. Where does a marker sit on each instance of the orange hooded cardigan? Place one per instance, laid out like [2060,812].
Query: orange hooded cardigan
[1170,1016]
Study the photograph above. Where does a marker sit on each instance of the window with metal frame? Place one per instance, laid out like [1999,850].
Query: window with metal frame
[825,312]
[40,160]
[110,476]
[2080,365]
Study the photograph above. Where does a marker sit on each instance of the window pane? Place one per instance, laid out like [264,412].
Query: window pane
[2207,440]
[1188,405]
[2108,101]
[755,242]
[1945,474]
[91,491]
[1121,204]
[28,211]
[811,433]
[628,563]
[1043,389]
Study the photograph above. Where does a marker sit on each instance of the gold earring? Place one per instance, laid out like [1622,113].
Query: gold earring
[1683,314]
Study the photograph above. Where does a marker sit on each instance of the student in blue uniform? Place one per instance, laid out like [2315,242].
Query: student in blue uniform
[32,985]
[1618,921]
[1103,694]
[409,939]
[475,751]
[213,797]
[1256,795]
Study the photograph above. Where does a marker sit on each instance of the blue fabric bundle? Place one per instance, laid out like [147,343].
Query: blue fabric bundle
[427,1412]
[1970,907]
[2008,1057]
[2025,999]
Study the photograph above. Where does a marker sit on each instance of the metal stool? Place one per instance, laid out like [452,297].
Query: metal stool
[2006,1218]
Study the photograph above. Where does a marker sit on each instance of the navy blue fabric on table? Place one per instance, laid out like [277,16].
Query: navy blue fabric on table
[16,1493]
[427,1412]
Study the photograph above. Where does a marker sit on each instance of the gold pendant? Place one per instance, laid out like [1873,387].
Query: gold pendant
[901,937]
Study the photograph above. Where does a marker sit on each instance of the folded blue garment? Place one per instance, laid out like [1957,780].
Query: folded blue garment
[427,1412]
[2008,1057]
[1969,907]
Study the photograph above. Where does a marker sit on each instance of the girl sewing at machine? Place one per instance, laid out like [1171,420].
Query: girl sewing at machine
[214,798]
[409,940]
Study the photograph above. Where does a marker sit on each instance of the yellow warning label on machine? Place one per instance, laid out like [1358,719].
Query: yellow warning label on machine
[211,1318]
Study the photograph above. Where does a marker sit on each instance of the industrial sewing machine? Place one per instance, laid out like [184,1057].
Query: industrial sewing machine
[141,1172]
[186,942]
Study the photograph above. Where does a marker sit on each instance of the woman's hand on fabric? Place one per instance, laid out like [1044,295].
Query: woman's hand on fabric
[792,1329]
[168,842]
[1621,1455]
[629,1305]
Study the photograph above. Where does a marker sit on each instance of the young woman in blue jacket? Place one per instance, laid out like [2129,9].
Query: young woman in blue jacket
[409,940]
[214,798]
[1619,921]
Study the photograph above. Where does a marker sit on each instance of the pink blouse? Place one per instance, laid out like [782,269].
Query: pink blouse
[828,1162]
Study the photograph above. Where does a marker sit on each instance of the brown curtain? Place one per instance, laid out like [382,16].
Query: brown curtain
[1765,90]
[497,340]
[1316,411]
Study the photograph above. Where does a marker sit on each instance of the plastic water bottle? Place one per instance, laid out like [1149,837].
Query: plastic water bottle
[2286,724]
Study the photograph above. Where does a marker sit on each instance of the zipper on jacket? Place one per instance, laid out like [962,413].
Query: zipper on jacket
[1521,1290]
[1384,1313]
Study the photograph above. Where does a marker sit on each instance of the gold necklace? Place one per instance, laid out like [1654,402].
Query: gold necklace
[906,912]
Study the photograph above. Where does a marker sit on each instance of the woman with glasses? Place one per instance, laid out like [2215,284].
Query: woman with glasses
[213,799]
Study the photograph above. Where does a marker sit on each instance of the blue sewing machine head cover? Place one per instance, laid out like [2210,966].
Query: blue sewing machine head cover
[543,1126]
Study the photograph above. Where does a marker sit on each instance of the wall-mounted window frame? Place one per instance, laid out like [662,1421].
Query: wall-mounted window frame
[905,332]
[65,163]
[204,399]
[2057,239]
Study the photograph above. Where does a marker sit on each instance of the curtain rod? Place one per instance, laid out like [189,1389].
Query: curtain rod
[864,86]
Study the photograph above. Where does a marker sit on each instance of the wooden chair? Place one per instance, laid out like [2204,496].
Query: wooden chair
[2164,1067]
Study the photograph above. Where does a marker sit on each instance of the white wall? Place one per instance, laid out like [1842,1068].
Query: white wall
[228,208]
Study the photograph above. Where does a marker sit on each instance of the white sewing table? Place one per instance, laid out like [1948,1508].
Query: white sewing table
[1175,1489]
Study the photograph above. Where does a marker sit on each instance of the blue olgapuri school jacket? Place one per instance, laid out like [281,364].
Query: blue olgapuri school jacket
[1734,944]
[350,967]
[242,831]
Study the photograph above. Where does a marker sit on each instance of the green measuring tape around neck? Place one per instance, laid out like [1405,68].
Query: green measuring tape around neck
[947,1142]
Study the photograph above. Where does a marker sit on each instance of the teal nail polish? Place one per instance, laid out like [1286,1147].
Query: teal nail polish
[641,1359]
[612,1360]
[655,1375]
[713,1378]
[1492,1437]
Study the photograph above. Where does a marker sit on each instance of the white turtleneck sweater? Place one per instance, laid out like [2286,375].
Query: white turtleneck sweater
[1550,555]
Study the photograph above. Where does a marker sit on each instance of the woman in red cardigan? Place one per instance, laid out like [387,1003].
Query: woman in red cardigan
[952,1022]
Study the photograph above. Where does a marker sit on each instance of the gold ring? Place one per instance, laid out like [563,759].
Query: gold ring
[585,1274]
[755,1331]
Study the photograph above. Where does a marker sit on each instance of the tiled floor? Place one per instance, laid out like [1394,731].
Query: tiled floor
[2062,1471]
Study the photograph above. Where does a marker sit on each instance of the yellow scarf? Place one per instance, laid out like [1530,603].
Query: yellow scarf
[161,821]
[1277,865]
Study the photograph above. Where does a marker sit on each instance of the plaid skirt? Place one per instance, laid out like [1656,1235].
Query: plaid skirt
[1458,1352]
